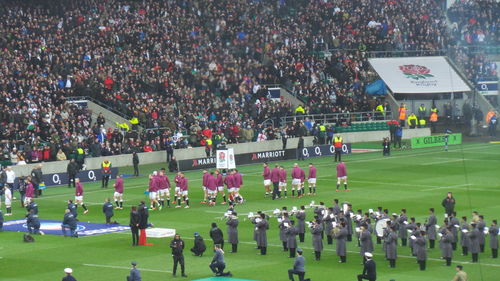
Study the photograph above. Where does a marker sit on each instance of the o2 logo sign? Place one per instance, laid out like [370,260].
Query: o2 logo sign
[324,150]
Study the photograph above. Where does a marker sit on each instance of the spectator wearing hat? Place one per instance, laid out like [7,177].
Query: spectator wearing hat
[298,267]
[199,245]
[135,275]
[369,269]
[69,276]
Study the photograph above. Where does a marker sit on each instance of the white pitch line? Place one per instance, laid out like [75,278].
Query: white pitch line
[445,162]
[127,268]
[450,186]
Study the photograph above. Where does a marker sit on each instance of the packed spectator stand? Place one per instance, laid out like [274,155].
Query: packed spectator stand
[197,69]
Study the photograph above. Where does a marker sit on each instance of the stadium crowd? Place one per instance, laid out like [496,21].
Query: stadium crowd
[199,67]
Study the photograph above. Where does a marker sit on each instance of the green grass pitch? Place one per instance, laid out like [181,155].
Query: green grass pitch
[411,179]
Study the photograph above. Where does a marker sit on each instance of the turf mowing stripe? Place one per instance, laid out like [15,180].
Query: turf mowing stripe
[124,267]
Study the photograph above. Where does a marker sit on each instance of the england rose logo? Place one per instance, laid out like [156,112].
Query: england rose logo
[415,72]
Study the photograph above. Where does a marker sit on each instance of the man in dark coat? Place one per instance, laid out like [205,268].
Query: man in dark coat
[135,162]
[72,170]
[217,235]
[369,269]
[143,222]
[232,231]
[177,246]
[32,222]
[300,147]
[69,222]
[448,204]
[107,209]
[134,224]
[37,179]
[199,245]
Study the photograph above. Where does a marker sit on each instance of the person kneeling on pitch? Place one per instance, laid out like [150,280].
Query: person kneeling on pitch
[199,245]
[298,267]
[218,265]
[369,269]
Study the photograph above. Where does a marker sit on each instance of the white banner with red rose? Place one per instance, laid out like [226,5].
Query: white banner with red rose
[415,75]
[225,159]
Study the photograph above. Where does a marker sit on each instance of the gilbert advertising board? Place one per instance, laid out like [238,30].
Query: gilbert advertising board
[436,140]
[419,75]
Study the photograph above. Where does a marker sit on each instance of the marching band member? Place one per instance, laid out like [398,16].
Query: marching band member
[430,228]
[445,245]
[402,222]
[481,226]
[455,225]
[232,231]
[420,246]
[283,220]
[493,231]
[328,218]
[317,241]
[391,243]
[261,227]
[340,234]
[409,229]
[301,225]
[474,247]
[291,232]
[464,238]
[365,241]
